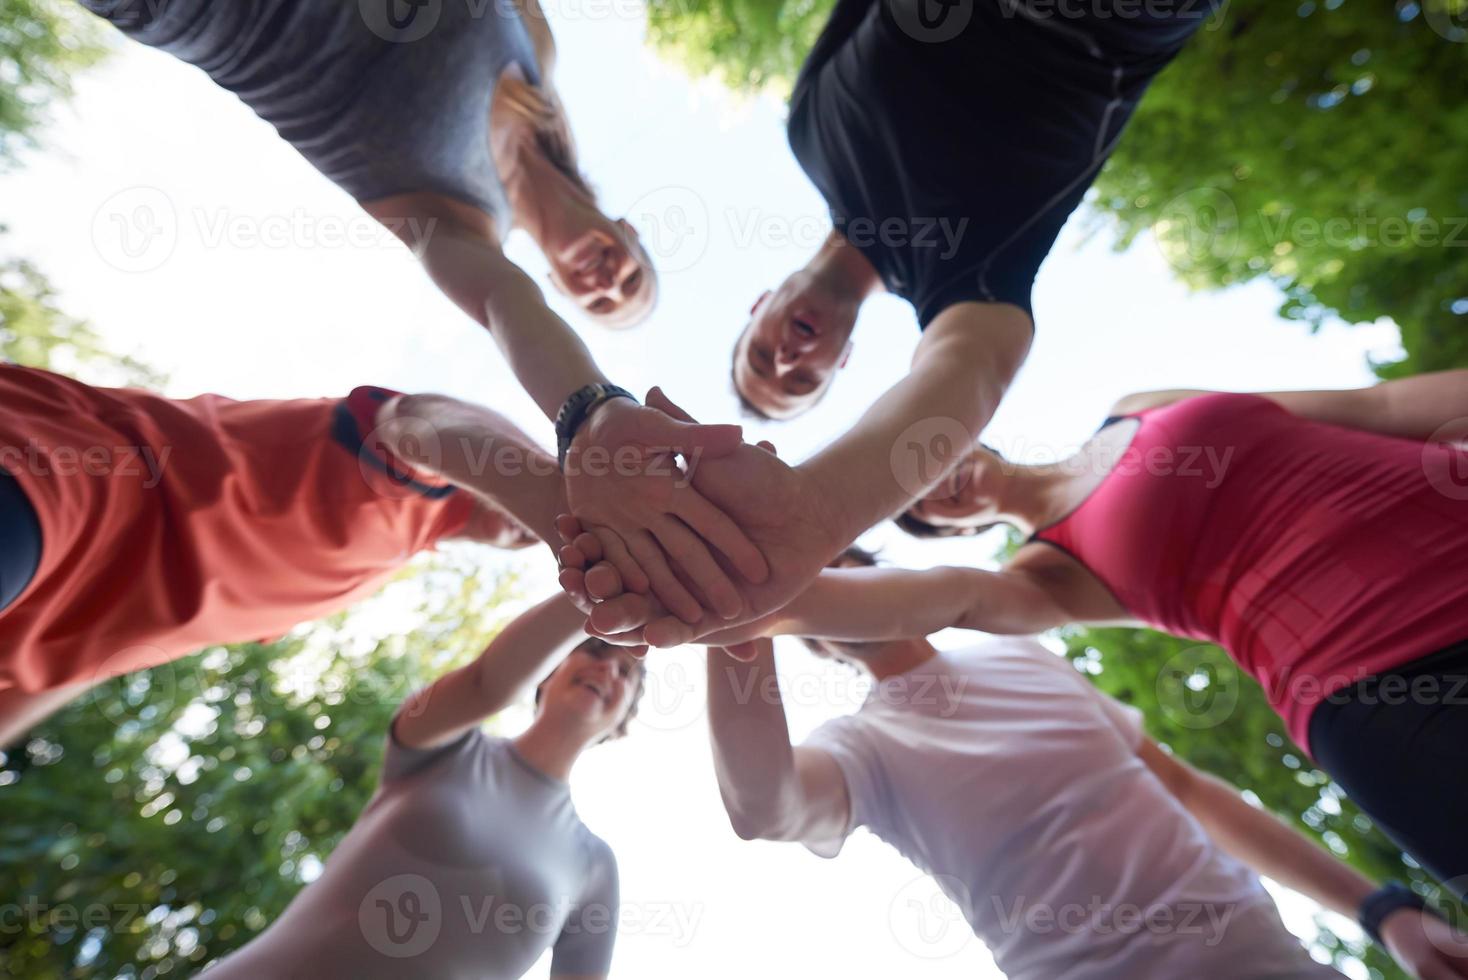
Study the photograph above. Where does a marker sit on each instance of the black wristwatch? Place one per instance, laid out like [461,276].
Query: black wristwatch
[1383,902]
[577,409]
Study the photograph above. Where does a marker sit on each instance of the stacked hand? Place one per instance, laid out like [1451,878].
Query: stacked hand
[777,510]
[624,484]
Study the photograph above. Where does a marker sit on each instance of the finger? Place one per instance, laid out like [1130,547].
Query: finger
[574,585]
[691,438]
[669,632]
[716,527]
[693,557]
[658,399]
[744,652]
[603,582]
[590,547]
[567,527]
[626,612]
[630,638]
[615,550]
[767,446]
[674,596]
[570,557]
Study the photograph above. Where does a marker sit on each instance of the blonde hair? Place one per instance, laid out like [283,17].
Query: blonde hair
[541,107]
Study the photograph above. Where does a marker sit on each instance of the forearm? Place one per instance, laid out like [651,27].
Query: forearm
[753,758]
[517,655]
[1426,406]
[548,358]
[925,424]
[480,450]
[1275,849]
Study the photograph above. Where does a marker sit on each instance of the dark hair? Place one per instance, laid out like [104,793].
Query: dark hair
[856,555]
[594,644]
[919,528]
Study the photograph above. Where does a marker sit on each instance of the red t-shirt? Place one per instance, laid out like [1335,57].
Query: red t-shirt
[1316,555]
[170,525]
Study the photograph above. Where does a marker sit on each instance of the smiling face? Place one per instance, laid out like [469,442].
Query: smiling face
[594,690]
[607,272]
[796,340]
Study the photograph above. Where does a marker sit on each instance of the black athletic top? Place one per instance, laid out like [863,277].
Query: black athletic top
[952,138]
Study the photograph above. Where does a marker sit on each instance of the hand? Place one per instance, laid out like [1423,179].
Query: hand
[780,509]
[624,484]
[588,579]
[1425,946]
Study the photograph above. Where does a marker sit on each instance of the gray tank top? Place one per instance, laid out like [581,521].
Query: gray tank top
[382,96]
[468,864]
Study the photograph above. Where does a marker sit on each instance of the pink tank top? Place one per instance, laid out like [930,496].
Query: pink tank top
[1315,555]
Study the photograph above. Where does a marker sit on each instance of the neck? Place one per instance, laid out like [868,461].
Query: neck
[1032,497]
[553,749]
[886,660]
[544,201]
[839,267]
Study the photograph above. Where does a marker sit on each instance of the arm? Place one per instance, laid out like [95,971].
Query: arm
[1422,943]
[874,604]
[479,450]
[924,425]
[771,790]
[463,698]
[1257,837]
[1420,407]
[620,477]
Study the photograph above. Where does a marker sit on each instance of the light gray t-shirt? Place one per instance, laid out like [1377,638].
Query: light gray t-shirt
[467,863]
[1015,783]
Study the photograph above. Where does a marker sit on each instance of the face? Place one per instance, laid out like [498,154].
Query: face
[965,497]
[607,272]
[797,338]
[593,689]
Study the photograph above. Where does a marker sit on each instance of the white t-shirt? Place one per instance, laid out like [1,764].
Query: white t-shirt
[1007,776]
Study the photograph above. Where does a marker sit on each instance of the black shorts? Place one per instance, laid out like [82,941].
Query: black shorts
[1397,743]
[20,540]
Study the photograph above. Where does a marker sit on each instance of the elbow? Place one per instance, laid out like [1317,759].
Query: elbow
[749,825]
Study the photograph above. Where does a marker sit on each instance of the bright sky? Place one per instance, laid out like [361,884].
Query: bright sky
[265,281]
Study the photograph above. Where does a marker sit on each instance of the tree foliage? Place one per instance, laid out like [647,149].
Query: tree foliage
[36,333]
[42,44]
[167,817]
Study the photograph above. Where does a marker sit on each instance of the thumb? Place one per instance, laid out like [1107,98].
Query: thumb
[690,437]
[658,399]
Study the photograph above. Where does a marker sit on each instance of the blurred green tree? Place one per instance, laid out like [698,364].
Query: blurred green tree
[42,44]
[165,818]
[36,333]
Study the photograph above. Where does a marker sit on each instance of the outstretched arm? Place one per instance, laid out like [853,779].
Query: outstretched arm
[921,427]
[621,474]
[463,698]
[771,790]
[1424,407]
[1421,943]
[479,450]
